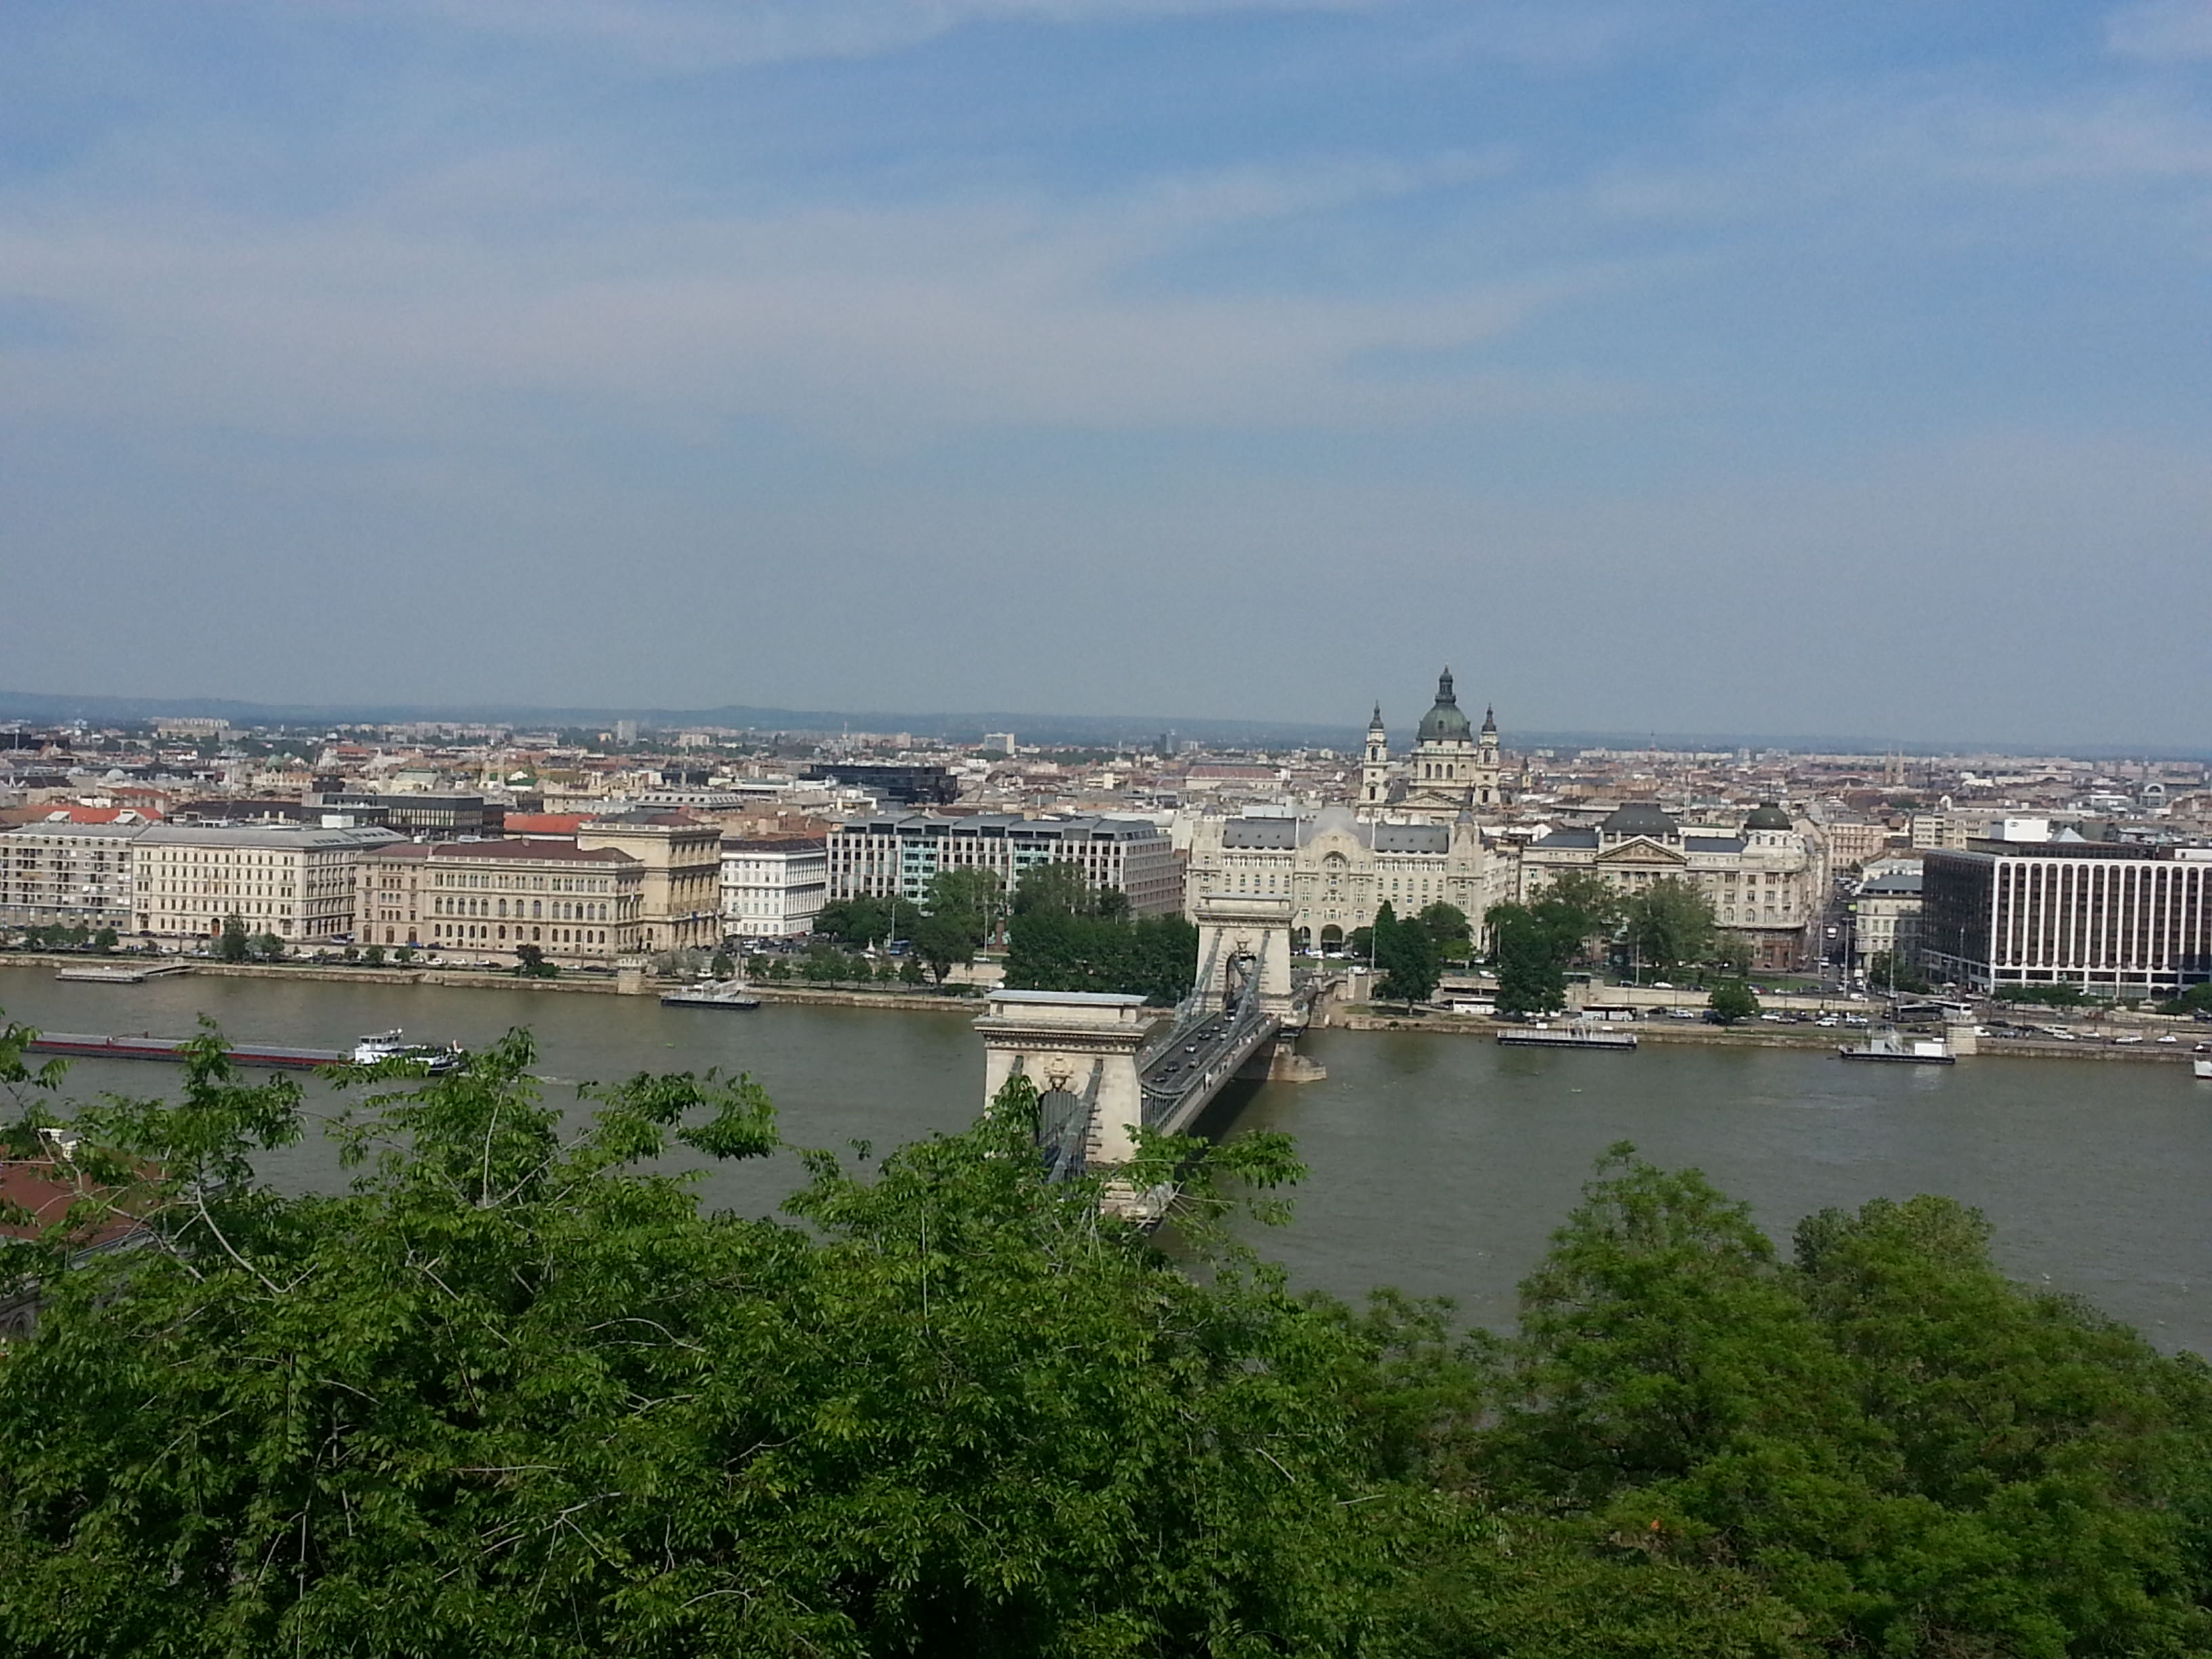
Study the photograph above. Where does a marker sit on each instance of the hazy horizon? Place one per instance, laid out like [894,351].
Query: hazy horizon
[1065,728]
[1681,365]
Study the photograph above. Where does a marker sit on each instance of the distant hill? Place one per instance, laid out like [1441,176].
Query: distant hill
[1084,730]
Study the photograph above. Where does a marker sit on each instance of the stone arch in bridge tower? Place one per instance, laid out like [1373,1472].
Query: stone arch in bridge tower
[1081,1043]
[1240,934]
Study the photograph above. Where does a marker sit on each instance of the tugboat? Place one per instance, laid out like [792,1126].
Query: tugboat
[381,1046]
[1887,1045]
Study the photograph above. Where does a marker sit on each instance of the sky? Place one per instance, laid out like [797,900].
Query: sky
[1680,364]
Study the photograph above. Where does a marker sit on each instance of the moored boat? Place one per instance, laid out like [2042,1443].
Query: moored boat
[731,995]
[1889,1046]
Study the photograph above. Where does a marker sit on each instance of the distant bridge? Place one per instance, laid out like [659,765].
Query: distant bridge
[1105,1065]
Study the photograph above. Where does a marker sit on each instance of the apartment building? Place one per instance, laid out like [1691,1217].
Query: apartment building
[66,874]
[481,901]
[1885,918]
[680,861]
[2115,918]
[895,854]
[772,888]
[291,880]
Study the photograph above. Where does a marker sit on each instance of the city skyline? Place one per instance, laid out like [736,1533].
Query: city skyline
[1763,373]
[1061,728]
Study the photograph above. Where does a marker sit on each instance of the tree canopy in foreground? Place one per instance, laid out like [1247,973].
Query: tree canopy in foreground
[516,1392]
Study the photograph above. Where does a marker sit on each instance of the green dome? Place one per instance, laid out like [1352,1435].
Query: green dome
[1768,815]
[1444,723]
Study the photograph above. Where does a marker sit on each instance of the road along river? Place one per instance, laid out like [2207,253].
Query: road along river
[1439,1164]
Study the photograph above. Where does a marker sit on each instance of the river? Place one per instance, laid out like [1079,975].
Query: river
[1438,1164]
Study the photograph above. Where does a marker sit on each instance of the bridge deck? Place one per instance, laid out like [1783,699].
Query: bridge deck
[1185,1073]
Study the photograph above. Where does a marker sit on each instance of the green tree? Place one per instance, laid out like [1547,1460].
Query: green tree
[1732,1000]
[1152,956]
[373,956]
[1531,946]
[529,964]
[724,966]
[104,941]
[1592,903]
[516,1393]
[1668,924]
[2197,999]
[1730,953]
[232,945]
[269,947]
[1886,1436]
[910,970]
[1064,888]
[1447,924]
[1890,971]
[976,895]
[944,941]
[1407,963]
[406,954]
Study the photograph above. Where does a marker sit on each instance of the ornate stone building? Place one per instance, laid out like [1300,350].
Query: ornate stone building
[1767,881]
[1452,768]
[1338,869]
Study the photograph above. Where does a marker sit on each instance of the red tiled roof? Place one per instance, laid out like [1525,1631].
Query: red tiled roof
[546,823]
[46,1186]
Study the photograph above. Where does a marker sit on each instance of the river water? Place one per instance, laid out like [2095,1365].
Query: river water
[1438,1164]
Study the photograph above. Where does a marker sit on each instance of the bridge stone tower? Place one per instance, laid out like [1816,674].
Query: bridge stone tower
[1081,1045]
[1240,934]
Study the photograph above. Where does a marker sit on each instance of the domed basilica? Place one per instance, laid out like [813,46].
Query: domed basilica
[1453,768]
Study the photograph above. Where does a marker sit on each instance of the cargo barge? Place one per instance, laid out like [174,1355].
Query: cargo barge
[369,1051]
[79,1046]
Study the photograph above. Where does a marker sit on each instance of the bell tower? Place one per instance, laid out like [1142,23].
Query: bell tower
[1488,772]
[1375,771]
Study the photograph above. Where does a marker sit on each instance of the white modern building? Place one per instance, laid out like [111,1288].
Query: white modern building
[2114,918]
[772,888]
[897,853]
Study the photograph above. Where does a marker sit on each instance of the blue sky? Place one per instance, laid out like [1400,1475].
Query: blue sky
[1667,364]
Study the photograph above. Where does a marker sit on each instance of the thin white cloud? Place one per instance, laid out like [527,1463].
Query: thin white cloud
[2162,30]
[880,322]
[709,34]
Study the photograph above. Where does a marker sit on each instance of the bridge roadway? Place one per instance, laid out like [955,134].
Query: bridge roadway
[1181,1072]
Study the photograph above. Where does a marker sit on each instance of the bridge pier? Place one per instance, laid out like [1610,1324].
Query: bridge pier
[1281,1062]
[1239,936]
[1081,1044]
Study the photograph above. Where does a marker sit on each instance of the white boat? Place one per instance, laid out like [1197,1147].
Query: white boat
[1887,1045]
[2201,1065]
[381,1046]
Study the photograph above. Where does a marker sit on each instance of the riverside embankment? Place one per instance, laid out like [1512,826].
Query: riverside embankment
[1758,1034]
[1439,1167]
[1345,1016]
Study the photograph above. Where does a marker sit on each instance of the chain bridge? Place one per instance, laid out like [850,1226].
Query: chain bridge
[1105,1065]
